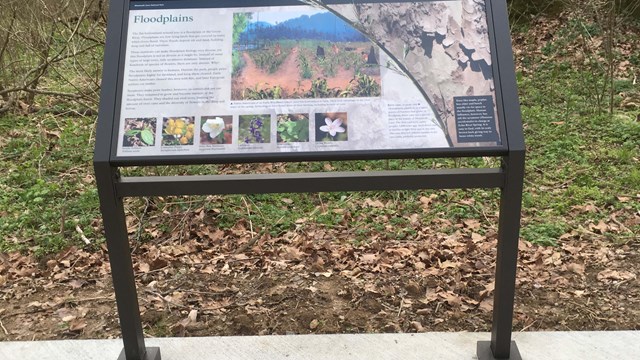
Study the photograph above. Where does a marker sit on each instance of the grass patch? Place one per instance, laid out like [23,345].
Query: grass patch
[48,188]
[543,233]
[578,154]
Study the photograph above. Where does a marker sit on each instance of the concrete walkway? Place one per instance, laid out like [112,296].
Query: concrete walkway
[619,345]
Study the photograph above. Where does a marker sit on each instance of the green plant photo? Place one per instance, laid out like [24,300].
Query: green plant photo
[139,132]
[293,128]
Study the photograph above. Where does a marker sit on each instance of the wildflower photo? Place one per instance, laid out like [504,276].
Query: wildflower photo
[139,132]
[293,128]
[216,130]
[255,129]
[178,131]
[331,126]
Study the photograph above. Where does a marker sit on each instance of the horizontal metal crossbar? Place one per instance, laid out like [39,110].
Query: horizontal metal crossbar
[310,182]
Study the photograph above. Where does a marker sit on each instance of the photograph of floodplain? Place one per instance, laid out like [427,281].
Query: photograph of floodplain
[304,53]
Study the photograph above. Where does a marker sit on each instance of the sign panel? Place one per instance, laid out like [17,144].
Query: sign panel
[199,79]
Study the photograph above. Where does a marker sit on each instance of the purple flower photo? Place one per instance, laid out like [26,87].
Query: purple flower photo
[255,129]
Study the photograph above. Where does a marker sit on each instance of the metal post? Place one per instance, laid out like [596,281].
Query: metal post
[501,346]
[122,267]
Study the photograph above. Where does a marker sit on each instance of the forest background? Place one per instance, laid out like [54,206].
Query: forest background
[332,262]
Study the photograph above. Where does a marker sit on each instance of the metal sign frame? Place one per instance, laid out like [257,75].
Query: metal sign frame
[112,187]
[120,54]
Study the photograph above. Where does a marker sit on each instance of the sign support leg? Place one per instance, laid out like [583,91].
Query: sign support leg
[501,346]
[122,267]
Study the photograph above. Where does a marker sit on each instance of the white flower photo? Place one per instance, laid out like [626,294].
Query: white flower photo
[331,126]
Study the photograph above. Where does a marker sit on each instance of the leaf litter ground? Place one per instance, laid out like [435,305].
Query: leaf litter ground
[312,280]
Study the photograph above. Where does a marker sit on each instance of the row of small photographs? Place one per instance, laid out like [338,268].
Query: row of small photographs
[252,129]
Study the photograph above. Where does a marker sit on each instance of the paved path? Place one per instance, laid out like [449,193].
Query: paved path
[618,345]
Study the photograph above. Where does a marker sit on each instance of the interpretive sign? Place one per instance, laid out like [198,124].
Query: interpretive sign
[200,78]
[228,81]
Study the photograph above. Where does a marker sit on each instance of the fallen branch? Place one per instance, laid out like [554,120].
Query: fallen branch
[82,236]
[254,236]
[4,328]
[92,299]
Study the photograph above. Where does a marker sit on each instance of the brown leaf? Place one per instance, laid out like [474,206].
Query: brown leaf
[144,267]
[486,305]
[293,253]
[426,201]
[451,298]
[449,264]
[191,319]
[601,227]
[413,289]
[585,208]
[193,316]
[418,326]
[65,314]
[475,237]
[488,289]
[579,293]
[368,258]
[576,268]
[374,203]
[214,235]
[472,224]
[419,265]
[158,263]
[77,325]
[77,284]
[34,304]
[401,251]
[610,274]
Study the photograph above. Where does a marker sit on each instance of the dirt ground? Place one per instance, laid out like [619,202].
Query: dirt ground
[287,77]
[314,280]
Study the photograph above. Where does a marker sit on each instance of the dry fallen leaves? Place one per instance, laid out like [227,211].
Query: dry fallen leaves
[610,274]
[315,279]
